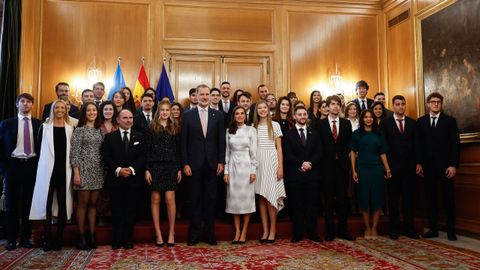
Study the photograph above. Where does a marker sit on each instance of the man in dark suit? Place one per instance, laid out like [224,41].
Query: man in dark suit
[203,156]
[262,91]
[402,138]
[303,151]
[362,101]
[98,92]
[143,119]
[225,103]
[440,154]
[87,96]
[192,98]
[18,161]
[123,153]
[245,101]
[61,89]
[335,133]
[380,97]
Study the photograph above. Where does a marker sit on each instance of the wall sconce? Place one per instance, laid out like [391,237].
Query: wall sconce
[94,71]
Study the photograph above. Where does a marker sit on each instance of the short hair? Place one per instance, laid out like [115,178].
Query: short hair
[146,95]
[379,94]
[271,94]
[225,82]
[299,108]
[434,95]
[61,84]
[98,83]
[192,91]
[86,90]
[291,95]
[333,98]
[361,83]
[124,109]
[66,99]
[398,97]
[202,86]
[261,85]
[25,96]
[245,94]
[215,89]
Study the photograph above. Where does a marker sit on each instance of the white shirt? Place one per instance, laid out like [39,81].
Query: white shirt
[19,152]
[129,131]
[213,107]
[200,114]
[397,117]
[337,123]
[355,123]
[304,130]
[436,119]
[149,113]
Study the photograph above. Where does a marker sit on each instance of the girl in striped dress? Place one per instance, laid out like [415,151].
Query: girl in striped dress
[269,185]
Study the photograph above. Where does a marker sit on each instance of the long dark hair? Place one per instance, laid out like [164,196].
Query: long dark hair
[277,115]
[236,95]
[130,103]
[381,105]
[102,106]
[233,126]
[375,126]
[83,115]
[311,99]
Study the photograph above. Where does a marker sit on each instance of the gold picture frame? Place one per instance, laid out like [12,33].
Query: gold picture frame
[420,84]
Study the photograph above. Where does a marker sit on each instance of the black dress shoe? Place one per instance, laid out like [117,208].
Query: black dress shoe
[11,246]
[25,243]
[296,239]
[451,236]
[329,238]
[116,246]
[128,245]
[393,236]
[430,234]
[346,236]
[315,238]
[212,242]
[47,246]
[192,241]
[412,235]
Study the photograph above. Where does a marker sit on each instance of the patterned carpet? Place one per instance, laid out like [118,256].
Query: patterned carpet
[361,254]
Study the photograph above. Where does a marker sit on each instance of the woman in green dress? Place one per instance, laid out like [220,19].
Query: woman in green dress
[370,168]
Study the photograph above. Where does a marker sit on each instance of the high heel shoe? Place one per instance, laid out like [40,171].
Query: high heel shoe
[81,243]
[170,244]
[160,244]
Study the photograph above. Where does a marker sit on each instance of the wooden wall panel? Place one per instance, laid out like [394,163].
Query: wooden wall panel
[424,3]
[401,59]
[216,23]
[74,32]
[318,41]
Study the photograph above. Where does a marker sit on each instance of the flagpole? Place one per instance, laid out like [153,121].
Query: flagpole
[119,59]
[143,60]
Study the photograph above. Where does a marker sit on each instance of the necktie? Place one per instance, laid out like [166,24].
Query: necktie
[27,148]
[148,118]
[334,131]
[203,119]
[225,106]
[98,103]
[125,141]
[400,124]
[364,107]
[433,121]
[302,136]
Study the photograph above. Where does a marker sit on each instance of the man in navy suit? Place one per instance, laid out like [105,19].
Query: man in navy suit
[203,157]
[402,137]
[18,160]
[123,153]
[62,89]
[439,160]
[303,151]
[143,119]
[225,103]
[362,101]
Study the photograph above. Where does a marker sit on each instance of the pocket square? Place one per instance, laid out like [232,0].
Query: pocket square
[135,143]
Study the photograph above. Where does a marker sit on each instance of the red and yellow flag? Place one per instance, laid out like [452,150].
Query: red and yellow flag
[140,86]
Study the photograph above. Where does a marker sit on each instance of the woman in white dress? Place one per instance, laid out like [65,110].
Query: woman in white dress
[240,171]
[269,185]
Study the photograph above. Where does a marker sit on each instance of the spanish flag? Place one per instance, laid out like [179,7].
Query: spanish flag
[140,86]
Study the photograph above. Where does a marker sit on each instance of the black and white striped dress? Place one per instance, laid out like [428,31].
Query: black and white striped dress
[267,184]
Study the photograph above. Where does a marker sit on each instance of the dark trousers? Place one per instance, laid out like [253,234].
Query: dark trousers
[19,183]
[124,206]
[303,199]
[203,195]
[435,179]
[401,186]
[335,187]
[58,187]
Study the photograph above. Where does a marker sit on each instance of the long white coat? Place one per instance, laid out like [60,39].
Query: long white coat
[38,211]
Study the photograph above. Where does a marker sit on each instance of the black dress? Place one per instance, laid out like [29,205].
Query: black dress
[60,147]
[163,160]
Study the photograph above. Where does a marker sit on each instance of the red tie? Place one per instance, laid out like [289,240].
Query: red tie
[400,124]
[334,131]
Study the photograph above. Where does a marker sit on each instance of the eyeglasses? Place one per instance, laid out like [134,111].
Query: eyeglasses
[435,101]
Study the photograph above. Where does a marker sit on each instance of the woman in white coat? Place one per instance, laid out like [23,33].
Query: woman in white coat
[52,195]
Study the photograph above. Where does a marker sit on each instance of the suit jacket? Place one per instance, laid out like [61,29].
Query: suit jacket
[140,123]
[403,149]
[230,109]
[296,153]
[332,150]
[195,147]
[357,103]
[8,137]
[439,146]
[46,110]
[114,156]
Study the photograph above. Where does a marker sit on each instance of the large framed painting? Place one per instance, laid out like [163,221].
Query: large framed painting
[448,61]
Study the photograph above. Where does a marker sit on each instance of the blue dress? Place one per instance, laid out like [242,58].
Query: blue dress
[371,182]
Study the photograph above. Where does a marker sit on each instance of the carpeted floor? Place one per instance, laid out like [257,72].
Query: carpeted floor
[361,254]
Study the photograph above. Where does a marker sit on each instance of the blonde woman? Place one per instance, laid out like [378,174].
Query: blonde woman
[54,175]
[269,185]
